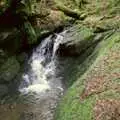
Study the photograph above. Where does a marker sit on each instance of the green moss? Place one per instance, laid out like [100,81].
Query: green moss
[110,94]
[72,107]
[3,6]
[91,49]
[9,70]
[75,109]
[30,32]
[68,3]
[15,37]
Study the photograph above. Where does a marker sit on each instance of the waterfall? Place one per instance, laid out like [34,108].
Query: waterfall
[41,83]
[41,76]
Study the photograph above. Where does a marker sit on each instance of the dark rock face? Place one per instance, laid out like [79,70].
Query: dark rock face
[10,40]
[3,90]
[77,40]
[9,69]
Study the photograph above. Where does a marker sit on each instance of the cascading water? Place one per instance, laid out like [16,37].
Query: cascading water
[42,79]
[43,67]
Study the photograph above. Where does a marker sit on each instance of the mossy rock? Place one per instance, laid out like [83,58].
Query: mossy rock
[9,70]
[96,92]
[3,90]
[3,57]
[77,40]
[10,40]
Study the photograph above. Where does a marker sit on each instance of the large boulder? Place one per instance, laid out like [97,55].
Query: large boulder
[77,40]
[96,94]
[9,69]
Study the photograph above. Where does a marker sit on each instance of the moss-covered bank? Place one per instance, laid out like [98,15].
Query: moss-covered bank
[97,90]
[93,92]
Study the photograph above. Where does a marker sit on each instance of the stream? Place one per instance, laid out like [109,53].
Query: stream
[41,86]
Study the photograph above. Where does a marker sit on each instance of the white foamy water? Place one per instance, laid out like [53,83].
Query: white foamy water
[58,40]
[43,67]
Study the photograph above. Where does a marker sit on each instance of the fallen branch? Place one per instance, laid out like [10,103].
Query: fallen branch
[69,12]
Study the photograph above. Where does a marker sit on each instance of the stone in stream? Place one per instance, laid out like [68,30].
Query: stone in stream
[9,69]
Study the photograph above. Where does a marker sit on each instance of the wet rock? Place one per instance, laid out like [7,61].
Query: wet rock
[5,34]
[77,40]
[22,57]
[3,56]
[9,69]
[3,90]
